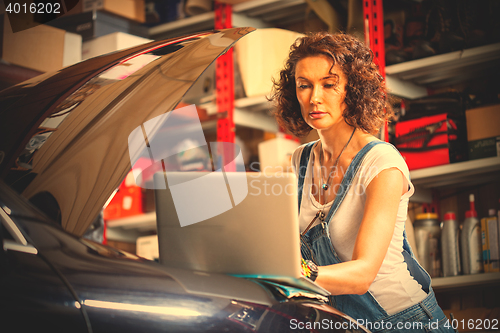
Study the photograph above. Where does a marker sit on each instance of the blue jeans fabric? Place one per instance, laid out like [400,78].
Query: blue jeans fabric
[316,245]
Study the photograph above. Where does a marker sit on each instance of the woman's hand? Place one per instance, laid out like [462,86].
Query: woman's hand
[383,195]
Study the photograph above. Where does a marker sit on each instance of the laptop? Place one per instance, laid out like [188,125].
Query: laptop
[237,223]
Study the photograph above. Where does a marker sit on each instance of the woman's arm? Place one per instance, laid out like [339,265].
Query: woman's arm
[383,195]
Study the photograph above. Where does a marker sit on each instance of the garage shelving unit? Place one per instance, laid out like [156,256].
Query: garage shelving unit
[257,14]
[412,78]
[408,80]
[458,174]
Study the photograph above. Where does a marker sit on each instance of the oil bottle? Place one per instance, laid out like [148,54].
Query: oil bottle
[470,241]
[450,249]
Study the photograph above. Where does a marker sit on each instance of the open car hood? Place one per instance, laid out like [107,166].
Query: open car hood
[66,133]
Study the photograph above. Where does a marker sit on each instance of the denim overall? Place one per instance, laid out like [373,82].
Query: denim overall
[316,245]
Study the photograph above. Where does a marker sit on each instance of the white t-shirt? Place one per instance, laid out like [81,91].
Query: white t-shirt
[393,288]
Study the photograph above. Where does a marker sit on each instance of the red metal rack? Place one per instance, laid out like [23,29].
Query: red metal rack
[373,13]
[225,88]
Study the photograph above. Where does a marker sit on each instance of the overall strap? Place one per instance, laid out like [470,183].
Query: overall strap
[304,160]
[349,176]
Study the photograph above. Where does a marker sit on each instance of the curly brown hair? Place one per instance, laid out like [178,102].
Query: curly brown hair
[366,95]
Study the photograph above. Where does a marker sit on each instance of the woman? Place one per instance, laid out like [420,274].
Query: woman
[353,188]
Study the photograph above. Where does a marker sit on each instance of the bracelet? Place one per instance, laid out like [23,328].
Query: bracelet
[309,269]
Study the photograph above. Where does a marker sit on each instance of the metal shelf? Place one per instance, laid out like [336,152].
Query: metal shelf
[185,26]
[128,229]
[458,174]
[257,14]
[144,222]
[251,112]
[410,79]
[465,280]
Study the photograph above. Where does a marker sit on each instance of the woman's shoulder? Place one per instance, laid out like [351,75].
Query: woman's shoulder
[383,154]
[297,154]
[308,145]
[385,149]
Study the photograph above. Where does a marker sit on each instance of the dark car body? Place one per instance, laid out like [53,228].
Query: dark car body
[63,148]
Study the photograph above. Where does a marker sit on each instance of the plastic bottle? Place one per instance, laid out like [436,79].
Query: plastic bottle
[427,237]
[450,245]
[491,248]
[470,241]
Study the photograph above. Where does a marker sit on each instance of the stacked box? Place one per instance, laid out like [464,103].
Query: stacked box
[42,48]
[110,43]
[261,55]
[490,240]
[483,131]
[134,10]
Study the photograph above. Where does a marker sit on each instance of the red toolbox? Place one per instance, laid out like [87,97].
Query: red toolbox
[431,141]
[131,199]
[432,130]
[127,201]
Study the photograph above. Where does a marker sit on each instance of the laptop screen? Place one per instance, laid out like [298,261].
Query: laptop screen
[229,222]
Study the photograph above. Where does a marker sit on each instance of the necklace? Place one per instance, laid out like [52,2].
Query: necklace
[326,185]
[320,214]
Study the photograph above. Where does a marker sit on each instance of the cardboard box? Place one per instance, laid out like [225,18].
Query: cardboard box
[110,43]
[483,131]
[261,56]
[42,48]
[147,247]
[96,24]
[134,10]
